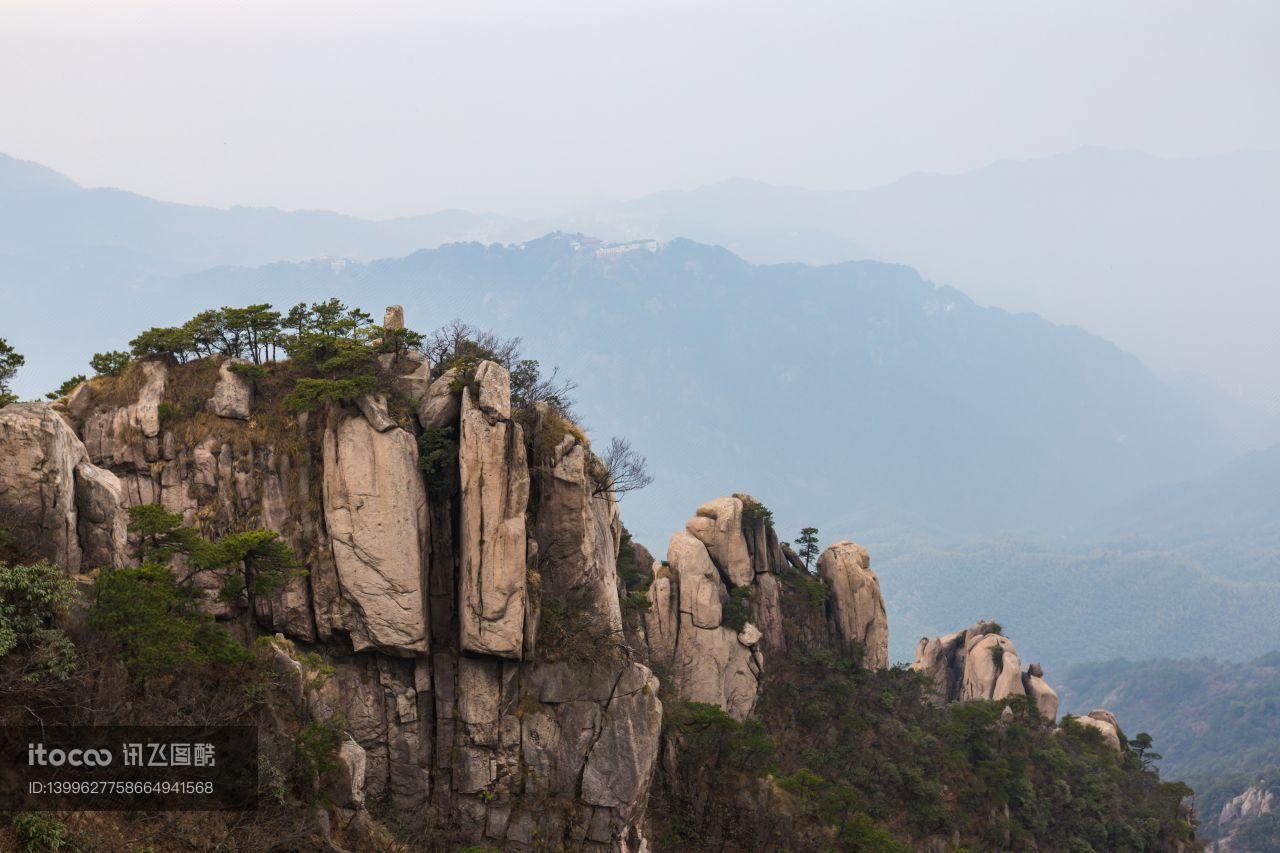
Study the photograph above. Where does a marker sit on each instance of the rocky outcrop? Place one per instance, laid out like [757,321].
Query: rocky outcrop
[979,663]
[855,606]
[125,437]
[495,494]
[441,404]
[53,500]
[233,394]
[1253,801]
[710,663]
[375,509]
[579,529]
[718,526]
[1045,697]
[1105,723]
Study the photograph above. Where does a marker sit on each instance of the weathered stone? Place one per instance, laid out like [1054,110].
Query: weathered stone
[1041,693]
[963,664]
[718,525]
[374,409]
[992,669]
[411,374]
[478,700]
[1104,722]
[749,635]
[495,494]
[233,394]
[441,404]
[375,508]
[578,531]
[110,435]
[52,499]
[494,383]
[393,318]
[856,605]
[101,521]
[346,784]
[701,591]
[662,619]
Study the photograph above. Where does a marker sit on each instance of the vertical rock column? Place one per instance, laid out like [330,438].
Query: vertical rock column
[495,495]
[856,607]
[375,508]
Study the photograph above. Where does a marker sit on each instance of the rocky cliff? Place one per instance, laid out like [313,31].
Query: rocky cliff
[462,617]
[420,605]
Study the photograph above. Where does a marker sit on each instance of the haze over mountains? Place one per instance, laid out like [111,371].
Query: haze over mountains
[988,459]
[1167,258]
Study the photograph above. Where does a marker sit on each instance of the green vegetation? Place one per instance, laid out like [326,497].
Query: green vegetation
[869,763]
[33,598]
[39,832]
[755,514]
[111,363]
[66,387]
[316,747]
[10,361]
[154,617]
[1217,722]
[807,549]
[737,610]
[438,454]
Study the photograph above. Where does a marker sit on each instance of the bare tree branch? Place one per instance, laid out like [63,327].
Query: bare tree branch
[625,470]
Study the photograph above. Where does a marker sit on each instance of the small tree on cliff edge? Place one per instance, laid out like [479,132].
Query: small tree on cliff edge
[808,550]
[625,470]
[10,361]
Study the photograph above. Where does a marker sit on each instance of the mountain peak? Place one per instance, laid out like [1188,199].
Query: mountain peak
[24,175]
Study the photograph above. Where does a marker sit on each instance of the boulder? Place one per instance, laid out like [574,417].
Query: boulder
[718,525]
[375,508]
[662,619]
[856,606]
[440,406]
[702,593]
[1046,699]
[620,763]
[101,519]
[709,663]
[374,409]
[52,499]
[411,374]
[346,782]
[1104,722]
[233,393]
[493,396]
[128,437]
[992,669]
[495,494]
[393,318]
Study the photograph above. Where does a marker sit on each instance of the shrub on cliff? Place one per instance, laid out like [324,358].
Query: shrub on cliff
[33,598]
[156,624]
[10,361]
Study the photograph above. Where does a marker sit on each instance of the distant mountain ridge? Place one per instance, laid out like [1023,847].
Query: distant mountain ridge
[945,413]
[1167,258]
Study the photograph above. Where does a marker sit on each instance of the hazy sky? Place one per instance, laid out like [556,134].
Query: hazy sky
[385,108]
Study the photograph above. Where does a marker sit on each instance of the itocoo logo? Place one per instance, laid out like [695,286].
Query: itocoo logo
[37,755]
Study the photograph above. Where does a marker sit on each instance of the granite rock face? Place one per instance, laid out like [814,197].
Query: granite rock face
[52,498]
[233,395]
[856,606]
[375,509]
[495,495]
[980,663]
